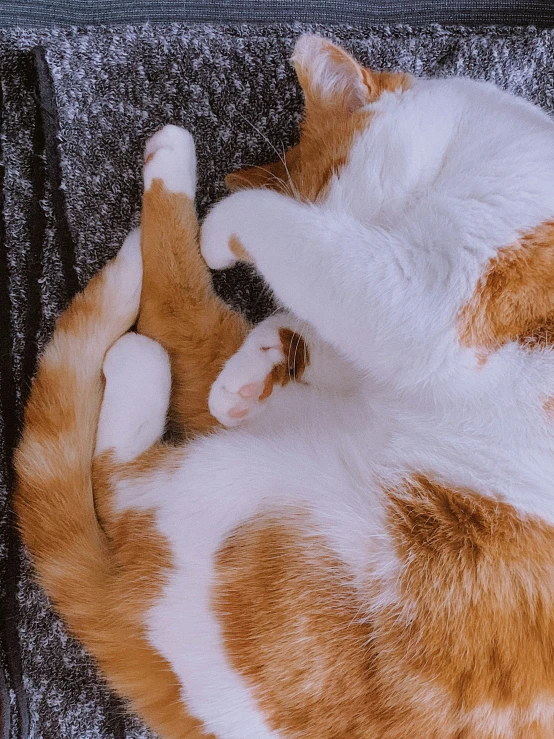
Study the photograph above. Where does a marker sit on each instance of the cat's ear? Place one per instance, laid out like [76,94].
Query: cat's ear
[329,76]
[274,176]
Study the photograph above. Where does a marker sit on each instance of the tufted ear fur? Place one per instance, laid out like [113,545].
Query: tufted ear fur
[329,76]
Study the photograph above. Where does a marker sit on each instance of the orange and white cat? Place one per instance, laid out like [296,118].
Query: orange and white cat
[369,551]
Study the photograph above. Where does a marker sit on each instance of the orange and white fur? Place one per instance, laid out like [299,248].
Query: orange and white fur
[369,551]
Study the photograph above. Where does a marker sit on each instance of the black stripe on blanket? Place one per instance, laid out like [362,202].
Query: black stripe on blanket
[18,719]
[51,132]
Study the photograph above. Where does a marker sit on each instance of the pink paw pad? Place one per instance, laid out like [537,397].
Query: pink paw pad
[238,412]
[254,389]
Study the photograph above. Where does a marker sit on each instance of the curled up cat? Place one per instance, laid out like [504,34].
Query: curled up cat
[356,537]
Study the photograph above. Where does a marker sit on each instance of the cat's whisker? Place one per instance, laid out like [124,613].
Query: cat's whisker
[280,156]
[292,186]
[280,180]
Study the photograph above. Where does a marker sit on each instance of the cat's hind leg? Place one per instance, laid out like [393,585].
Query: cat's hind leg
[130,427]
[136,397]
[179,307]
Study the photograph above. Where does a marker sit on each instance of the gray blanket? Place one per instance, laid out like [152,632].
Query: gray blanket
[76,107]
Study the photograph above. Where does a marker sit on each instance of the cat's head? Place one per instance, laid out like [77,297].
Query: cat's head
[337,91]
[447,189]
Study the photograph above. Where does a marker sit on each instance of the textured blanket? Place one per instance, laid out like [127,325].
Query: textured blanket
[76,107]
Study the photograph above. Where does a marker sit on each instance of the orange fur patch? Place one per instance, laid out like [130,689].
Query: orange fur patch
[297,358]
[549,407]
[477,595]
[238,250]
[179,308]
[291,629]
[465,650]
[514,300]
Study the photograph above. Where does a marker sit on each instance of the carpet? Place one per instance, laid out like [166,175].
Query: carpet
[76,106]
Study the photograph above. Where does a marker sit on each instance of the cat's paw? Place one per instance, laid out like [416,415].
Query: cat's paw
[136,396]
[271,355]
[170,156]
[243,384]
[219,241]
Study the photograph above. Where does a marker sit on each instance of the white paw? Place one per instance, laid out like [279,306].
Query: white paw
[245,380]
[123,277]
[136,396]
[218,232]
[170,155]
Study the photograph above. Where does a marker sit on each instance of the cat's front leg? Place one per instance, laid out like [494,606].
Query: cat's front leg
[306,255]
[279,350]
[282,237]
[273,354]
[244,225]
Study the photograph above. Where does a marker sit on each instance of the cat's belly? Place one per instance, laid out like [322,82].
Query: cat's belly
[310,597]
[226,482]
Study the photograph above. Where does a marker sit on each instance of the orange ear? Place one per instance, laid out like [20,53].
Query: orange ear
[328,75]
[273,176]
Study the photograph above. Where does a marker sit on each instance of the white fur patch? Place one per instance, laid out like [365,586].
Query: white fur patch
[123,278]
[504,722]
[136,397]
[218,228]
[170,155]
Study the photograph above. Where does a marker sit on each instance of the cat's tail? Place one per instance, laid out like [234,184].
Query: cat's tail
[54,501]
